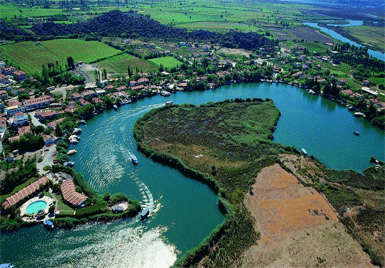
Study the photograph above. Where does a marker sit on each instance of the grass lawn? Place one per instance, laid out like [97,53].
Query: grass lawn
[29,57]
[119,64]
[63,208]
[167,62]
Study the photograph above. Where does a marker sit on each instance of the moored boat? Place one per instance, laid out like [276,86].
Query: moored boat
[169,102]
[144,213]
[304,152]
[359,114]
[71,152]
[356,133]
[48,224]
[115,107]
[69,164]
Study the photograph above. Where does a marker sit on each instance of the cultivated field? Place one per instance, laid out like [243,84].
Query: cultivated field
[310,34]
[30,57]
[119,64]
[299,228]
[167,62]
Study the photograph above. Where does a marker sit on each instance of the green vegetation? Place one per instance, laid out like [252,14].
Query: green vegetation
[166,62]
[30,57]
[234,139]
[374,36]
[19,176]
[119,64]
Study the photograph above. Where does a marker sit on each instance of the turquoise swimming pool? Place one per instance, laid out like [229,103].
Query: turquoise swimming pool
[36,206]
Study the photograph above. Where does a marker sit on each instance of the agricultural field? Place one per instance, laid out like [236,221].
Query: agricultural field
[310,34]
[376,35]
[29,56]
[119,64]
[167,62]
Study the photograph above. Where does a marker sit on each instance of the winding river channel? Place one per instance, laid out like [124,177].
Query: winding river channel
[184,211]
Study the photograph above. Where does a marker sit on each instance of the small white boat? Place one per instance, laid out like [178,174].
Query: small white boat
[359,114]
[169,102]
[77,131]
[71,152]
[304,152]
[134,159]
[115,107]
[74,141]
[356,133]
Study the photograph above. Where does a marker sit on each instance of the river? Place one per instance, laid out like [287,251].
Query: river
[376,54]
[184,211]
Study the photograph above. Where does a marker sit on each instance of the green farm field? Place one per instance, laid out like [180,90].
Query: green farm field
[167,62]
[119,64]
[30,57]
[376,35]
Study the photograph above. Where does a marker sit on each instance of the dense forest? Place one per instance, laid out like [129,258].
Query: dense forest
[131,25]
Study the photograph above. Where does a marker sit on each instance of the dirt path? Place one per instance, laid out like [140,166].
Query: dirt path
[298,226]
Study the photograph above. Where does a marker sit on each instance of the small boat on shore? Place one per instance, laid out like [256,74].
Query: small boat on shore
[304,152]
[77,131]
[356,133]
[69,164]
[359,114]
[169,102]
[144,214]
[134,159]
[71,152]
[48,224]
[83,121]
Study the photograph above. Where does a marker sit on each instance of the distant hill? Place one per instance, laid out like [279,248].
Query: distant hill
[117,23]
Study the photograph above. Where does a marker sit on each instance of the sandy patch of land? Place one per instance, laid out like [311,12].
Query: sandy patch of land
[298,226]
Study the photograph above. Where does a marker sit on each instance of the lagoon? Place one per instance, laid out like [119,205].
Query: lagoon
[184,211]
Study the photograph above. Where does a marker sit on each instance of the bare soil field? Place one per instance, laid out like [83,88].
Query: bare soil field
[309,34]
[298,226]
[234,51]
[281,34]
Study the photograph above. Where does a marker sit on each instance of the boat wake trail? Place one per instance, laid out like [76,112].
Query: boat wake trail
[147,197]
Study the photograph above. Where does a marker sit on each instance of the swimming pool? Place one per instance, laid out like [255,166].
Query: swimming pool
[36,206]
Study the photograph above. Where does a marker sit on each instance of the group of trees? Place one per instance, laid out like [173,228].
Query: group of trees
[21,174]
[117,23]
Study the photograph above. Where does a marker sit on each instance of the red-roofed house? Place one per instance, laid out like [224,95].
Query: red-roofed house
[19,75]
[44,115]
[37,103]
[70,195]
[24,193]
[24,130]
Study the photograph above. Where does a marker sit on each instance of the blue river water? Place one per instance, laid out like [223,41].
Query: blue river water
[183,211]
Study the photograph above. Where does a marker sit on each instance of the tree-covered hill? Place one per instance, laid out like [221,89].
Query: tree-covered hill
[131,25]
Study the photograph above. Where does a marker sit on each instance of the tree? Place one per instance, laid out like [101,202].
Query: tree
[58,131]
[70,62]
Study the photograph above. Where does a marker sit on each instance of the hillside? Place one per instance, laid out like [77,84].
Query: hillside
[117,23]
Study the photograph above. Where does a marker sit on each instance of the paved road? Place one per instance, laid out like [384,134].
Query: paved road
[35,121]
[47,159]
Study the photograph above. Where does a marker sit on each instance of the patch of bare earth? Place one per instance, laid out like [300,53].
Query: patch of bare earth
[298,226]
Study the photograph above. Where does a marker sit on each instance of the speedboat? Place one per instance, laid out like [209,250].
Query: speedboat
[134,159]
